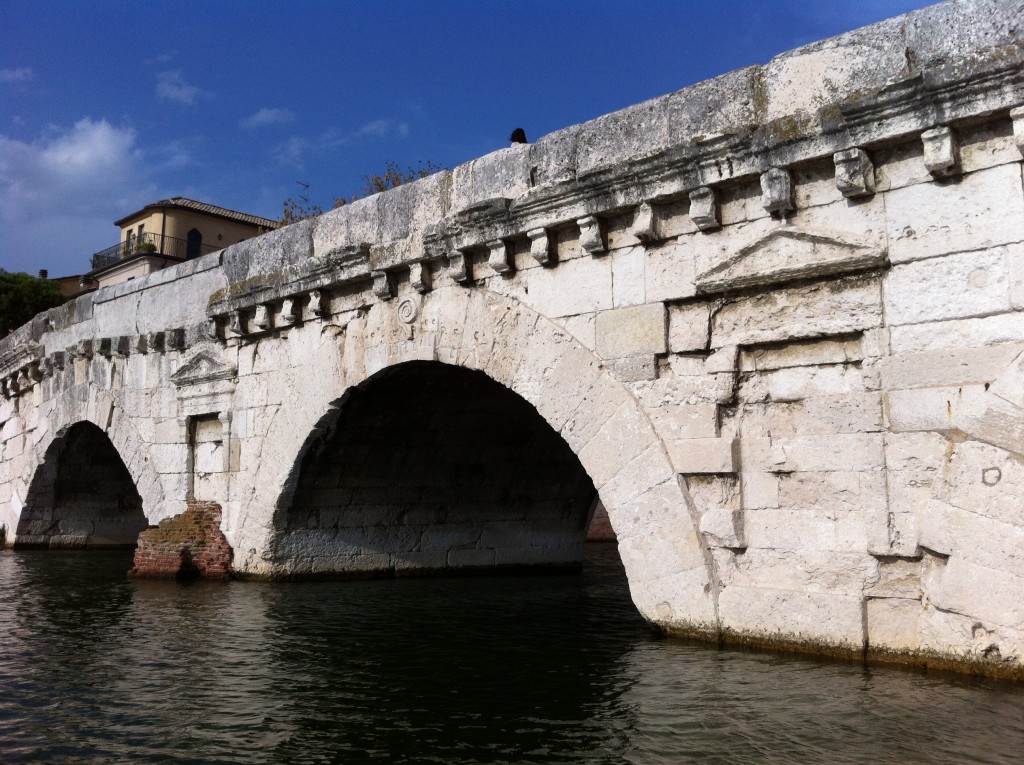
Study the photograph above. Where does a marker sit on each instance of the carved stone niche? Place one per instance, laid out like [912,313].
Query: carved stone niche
[941,152]
[236,323]
[122,346]
[205,381]
[155,342]
[855,174]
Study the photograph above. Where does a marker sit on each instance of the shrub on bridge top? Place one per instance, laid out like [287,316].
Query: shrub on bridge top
[22,297]
[293,210]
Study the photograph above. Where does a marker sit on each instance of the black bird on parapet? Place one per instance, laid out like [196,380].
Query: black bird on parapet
[518,136]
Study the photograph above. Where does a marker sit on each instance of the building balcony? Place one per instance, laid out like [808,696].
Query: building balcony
[150,244]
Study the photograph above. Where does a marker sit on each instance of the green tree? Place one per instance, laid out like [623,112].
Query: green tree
[294,210]
[22,297]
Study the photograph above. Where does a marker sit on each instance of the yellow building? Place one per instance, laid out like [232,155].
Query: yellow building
[168,232]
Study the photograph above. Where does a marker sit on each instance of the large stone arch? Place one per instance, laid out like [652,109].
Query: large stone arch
[669,569]
[427,466]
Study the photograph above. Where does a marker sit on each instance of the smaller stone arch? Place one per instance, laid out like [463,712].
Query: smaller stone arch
[81,496]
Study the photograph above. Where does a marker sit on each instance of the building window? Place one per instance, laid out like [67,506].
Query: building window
[194,245]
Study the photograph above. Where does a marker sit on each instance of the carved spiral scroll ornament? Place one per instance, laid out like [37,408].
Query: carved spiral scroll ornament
[408,310]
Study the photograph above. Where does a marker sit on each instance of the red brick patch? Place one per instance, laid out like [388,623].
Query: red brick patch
[187,546]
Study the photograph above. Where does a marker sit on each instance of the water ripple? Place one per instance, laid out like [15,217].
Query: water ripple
[97,668]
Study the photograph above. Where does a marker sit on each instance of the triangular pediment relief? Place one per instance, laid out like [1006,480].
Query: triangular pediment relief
[785,255]
[203,367]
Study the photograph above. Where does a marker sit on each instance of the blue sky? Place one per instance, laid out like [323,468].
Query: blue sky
[107,106]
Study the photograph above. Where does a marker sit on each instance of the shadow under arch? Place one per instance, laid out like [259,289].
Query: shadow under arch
[81,496]
[427,467]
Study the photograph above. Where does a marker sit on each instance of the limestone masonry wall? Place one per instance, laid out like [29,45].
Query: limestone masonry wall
[775,320]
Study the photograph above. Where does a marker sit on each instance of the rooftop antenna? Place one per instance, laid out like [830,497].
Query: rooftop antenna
[305,189]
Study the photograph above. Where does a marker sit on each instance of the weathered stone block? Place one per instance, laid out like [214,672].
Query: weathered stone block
[689,327]
[702,455]
[720,527]
[841,306]
[824,619]
[951,366]
[669,272]
[634,368]
[628,266]
[984,209]
[892,623]
[592,287]
[968,333]
[955,286]
[632,331]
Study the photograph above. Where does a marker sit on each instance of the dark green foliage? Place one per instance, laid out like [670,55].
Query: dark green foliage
[22,297]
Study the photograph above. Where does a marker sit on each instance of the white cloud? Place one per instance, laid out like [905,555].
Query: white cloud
[267,117]
[171,86]
[295,150]
[292,152]
[60,194]
[21,74]
[384,128]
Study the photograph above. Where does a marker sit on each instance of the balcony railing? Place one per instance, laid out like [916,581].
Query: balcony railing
[151,244]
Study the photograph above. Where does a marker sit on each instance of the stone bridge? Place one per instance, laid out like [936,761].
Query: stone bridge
[772,324]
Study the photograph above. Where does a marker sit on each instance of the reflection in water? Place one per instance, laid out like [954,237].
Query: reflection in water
[97,668]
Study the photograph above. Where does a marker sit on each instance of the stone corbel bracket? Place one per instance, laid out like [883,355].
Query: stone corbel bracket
[941,152]
[382,286]
[704,208]
[591,235]
[1017,116]
[499,257]
[645,224]
[540,246]
[855,173]
[341,265]
[777,191]
[420,277]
